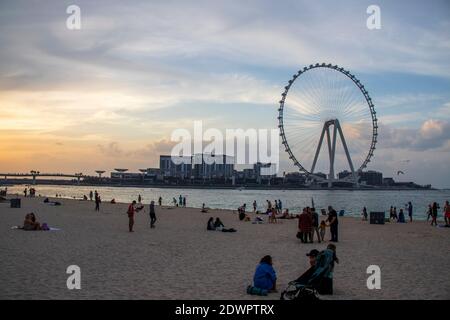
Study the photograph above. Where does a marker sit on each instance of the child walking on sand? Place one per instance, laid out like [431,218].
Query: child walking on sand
[322,228]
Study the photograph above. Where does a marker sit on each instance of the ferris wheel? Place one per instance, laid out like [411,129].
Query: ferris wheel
[326,102]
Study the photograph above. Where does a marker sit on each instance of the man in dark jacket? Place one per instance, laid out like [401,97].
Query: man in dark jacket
[333,222]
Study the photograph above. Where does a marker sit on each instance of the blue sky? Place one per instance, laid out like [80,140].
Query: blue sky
[137,70]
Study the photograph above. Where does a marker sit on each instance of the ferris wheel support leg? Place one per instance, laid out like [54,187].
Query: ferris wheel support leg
[318,148]
[332,156]
[344,144]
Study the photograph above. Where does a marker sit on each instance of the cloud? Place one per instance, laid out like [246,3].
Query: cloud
[432,135]
[112,149]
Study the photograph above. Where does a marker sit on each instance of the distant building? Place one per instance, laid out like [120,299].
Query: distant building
[344,174]
[371,178]
[212,166]
[199,166]
[126,176]
[388,182]
[180,167]
[295,177]
[264,171]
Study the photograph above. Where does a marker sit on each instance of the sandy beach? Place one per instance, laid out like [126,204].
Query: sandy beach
[179,259]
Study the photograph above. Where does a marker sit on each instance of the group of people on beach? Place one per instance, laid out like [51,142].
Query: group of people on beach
[432,212]
[217,225]
[318,276]
[94,196]
[135,207]
[31,192]
[181,201]
[400,217]
[273,214]
[308,225]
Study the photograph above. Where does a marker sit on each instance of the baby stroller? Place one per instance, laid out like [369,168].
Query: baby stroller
[313,282]
[298,291]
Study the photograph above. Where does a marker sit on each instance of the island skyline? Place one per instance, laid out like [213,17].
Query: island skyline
[111,93]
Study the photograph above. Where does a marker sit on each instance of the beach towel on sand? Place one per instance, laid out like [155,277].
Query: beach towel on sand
[49,229]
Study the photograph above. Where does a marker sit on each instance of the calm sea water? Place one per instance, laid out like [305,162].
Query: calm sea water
[350,201]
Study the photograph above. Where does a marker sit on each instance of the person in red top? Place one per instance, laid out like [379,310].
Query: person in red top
[131,211]
[305,226]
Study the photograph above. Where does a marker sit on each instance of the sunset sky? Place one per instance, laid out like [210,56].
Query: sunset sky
[110,95]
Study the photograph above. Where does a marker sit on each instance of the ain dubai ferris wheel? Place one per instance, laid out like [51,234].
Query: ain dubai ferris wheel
[325,109]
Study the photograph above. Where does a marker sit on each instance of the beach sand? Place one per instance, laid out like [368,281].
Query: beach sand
[179,259]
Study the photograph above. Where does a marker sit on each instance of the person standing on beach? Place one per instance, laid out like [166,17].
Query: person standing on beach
[446,213]
[131,211]
[410,211]
[333,222]
[254,206]
[139,199]
[180,200]
[280,206]
[25,192]
[429,212]
[184,202]
[97,202]
[305,226]
[91,195]
[434,213]
[364,214]
[152,214]
[315,225]
[160,201]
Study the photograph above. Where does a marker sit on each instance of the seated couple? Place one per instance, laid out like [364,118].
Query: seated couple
[286,215]
[30,223]
[217,226]
[54,203]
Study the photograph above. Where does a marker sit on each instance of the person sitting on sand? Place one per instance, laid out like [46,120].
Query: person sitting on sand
[204,209]
[241,212]
[210,226]
[286,215]
[219,226]
[30,223]
[265,276]
[401,216]
[113,201]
